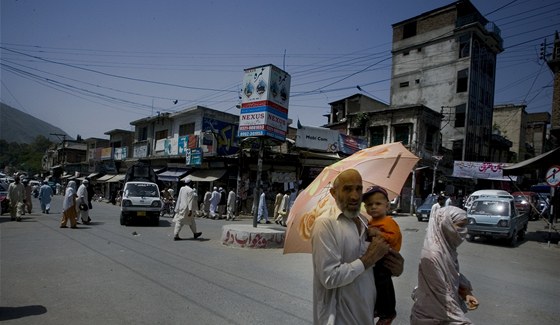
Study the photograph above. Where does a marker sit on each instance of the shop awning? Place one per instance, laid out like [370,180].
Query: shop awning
[542,161]
[92,175]
[105,178]
[172,175]
[206,175]
[117,178]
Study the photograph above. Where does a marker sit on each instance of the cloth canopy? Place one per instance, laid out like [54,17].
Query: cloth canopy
[105,178]
[542,161]
[92,175]
[206,175]
[172,175]
[117,178]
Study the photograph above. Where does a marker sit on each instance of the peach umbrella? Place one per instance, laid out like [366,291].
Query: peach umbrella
[386,165]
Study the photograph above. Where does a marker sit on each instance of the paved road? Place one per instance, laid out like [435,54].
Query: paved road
[105,273]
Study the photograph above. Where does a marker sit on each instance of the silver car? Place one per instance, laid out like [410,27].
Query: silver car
[496,218]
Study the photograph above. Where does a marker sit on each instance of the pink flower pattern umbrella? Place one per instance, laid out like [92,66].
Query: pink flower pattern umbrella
[387,165]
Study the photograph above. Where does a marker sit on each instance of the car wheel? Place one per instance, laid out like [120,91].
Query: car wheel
[470,238]
[521,234]
[513,239]
[123,220]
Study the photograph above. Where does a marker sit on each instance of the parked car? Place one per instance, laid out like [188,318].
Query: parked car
[486,193]
[543,206]
[140,201]
[527,202]
[4,204]
[496,218]
[423,211]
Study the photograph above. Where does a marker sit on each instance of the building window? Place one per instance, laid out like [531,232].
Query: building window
[186,129]
[409,30]
[116,144]
[460,111]
[417,81]
[406,53]
[419,50]
[462,80]
[403,84]
[431,138]
[161,134]
[402,133]
[143,134]
[338,113]
[464,46]
[377,135]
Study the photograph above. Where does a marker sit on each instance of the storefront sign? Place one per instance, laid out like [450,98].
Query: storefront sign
[480,170]
[317,138]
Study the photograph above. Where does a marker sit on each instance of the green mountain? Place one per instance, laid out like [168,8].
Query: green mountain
[17,126]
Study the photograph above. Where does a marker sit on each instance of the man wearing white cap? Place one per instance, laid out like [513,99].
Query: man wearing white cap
[82,202]
[214,200]
[185,211]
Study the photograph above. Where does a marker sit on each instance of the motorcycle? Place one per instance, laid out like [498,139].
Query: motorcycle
[168,208]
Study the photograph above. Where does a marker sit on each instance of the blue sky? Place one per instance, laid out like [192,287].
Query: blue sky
[92,66]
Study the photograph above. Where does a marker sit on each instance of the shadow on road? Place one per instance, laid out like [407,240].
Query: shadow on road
[7,313]
[543,236]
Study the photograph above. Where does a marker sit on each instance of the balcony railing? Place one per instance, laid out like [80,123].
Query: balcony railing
[489,26]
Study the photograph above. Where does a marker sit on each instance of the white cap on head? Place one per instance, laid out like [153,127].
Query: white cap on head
[85,181]
[215,188]
[187,180]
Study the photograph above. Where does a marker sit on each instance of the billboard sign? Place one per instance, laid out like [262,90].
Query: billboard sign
[264,104]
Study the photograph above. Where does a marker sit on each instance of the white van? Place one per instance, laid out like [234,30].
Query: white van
[486,194]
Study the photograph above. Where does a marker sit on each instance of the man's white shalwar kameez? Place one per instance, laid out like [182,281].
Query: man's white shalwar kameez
[343,291]
[185,210]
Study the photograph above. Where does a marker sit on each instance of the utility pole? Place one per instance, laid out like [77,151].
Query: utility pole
[62,139]
[437,159]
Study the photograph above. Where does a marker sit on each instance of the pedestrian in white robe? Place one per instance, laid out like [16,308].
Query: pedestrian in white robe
[185,211]
[231,205]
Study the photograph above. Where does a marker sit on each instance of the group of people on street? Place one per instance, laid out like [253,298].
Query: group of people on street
[218,204]
[20,198]
[355,256]
[76,204]
[283,202]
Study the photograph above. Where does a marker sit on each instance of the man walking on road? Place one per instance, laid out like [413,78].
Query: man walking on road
[45,196]
[343,283]
[82,202]
[231,199]
[184,214]
[263,208]
[16,196]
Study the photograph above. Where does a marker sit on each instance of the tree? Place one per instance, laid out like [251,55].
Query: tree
[21,156]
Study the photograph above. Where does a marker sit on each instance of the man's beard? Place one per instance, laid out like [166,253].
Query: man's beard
[350,214]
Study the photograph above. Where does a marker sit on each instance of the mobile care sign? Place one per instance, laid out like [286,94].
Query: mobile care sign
[264,104]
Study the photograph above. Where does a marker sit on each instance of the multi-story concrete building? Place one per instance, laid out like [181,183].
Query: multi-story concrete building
[445,59]
[536,133]
[511,121]
[416,126]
